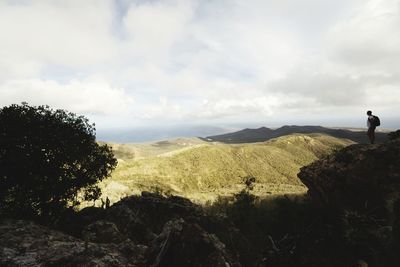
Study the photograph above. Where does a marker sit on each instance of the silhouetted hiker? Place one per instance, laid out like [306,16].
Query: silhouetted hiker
[102,203]
[372,122]
[107,203]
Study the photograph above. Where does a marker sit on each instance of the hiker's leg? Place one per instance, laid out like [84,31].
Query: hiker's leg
[373,136]
[370,133]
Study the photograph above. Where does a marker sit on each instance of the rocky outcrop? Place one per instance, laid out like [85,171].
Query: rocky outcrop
[358,177]
[187,244]
[24,243]
[103,232]
[358,189]
[137,231]
[149,212]
[356,221]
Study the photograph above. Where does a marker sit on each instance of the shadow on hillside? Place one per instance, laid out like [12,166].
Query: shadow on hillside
[243,230]
[154,230]
[290,230]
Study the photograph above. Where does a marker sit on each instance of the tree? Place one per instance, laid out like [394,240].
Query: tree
[46,157]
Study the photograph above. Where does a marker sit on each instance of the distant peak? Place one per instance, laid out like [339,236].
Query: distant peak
[263,134]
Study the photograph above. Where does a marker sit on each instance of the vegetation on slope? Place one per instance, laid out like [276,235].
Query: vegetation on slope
[204,171]
[136,151]
[350,216]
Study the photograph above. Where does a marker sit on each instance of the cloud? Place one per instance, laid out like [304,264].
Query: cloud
[87,97]
[368,41]
[69,33]
[163,109]
[153,27]
[231,107]
[356,67]
[201,60]
[324,88]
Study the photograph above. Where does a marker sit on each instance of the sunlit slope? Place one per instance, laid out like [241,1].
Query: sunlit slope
[205,170]
[151,149]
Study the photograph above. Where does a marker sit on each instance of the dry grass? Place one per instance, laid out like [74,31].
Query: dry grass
[204,171]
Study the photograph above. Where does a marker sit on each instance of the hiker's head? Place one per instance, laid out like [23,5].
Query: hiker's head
[369,112]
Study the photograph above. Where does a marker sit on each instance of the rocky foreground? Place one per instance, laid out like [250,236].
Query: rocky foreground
[360,187]
[354,221]
[150,230]
[358,177]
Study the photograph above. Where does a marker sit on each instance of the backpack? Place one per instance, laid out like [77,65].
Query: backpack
[377,121]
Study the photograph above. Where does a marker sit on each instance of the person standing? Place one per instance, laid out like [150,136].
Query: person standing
[372,122]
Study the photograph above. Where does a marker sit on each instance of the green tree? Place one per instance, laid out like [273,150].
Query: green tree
[46,157]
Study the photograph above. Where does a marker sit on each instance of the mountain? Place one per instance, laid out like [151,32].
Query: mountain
[147,134]
[264,134]
[350,217]
[203,171]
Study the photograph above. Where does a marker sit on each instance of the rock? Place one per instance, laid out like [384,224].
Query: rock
[359,186]
[24,243]
[142,218]
[89,215]
[122,234]
[187,244]
[362,263]
[359,177]
[73,222]
[128,218]
[102,232]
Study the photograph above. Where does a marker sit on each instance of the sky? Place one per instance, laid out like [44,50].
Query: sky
[148,63]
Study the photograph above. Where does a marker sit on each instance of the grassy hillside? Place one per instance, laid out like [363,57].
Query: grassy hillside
[202,171]
[151,149]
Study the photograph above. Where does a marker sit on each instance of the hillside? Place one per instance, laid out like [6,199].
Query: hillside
[203,171]
[350,217]
[264,134]
[136,151]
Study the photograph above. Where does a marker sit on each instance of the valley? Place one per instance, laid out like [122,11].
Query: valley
[203,171]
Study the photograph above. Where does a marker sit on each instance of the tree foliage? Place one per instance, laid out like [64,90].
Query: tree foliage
[46,157]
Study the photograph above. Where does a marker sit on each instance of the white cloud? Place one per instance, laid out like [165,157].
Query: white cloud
[230,107]
[152,28]
[88,97]
[200,60]
[69,33]
[356,67]
[368,41]
[162,110]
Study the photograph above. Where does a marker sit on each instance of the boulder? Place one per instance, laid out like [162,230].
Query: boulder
[358,177]
[121,235]
[142,218]
[102,232]
[23,243]
[358,188]
[187,244]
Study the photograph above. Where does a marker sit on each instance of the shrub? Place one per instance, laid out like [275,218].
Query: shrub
[394,135]
[46,157]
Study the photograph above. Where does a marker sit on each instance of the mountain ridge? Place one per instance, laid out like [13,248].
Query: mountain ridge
[262,134]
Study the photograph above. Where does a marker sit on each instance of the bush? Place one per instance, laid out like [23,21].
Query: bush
[46,157]
[394,135]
